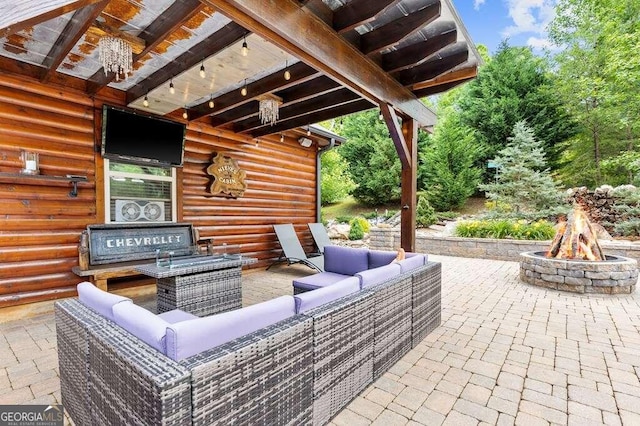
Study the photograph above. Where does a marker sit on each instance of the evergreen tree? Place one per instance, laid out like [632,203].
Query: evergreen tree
[425,214]
[515,85]
[523,182]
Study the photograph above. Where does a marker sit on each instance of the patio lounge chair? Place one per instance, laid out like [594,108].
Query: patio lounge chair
[292,251]
[320,236]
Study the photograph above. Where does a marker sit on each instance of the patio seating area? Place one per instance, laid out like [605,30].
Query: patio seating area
[506,353]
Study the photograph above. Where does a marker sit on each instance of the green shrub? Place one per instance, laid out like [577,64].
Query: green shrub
[628,228]
[356,232]
[370,215]
[425,214]
[501,229]
[344,219]
[447,215]
[364,223]
[389,213]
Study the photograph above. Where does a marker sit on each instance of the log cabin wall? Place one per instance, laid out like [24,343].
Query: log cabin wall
[40,223]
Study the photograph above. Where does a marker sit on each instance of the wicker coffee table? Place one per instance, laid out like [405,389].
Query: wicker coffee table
[203,287]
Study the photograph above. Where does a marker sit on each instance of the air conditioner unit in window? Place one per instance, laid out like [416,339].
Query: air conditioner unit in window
[139,211]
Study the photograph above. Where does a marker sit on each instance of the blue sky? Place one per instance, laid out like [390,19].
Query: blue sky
[523,22]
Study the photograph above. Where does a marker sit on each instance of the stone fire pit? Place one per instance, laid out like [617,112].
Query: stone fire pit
[614,275]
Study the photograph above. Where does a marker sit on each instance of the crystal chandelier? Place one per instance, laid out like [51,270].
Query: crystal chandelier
[269,108]
[116,56]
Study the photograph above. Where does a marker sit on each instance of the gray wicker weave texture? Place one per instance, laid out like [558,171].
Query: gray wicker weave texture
[72,323]
[427,295]
[392,329]
[132,383]
[264,378]
[343,353]
[201,294]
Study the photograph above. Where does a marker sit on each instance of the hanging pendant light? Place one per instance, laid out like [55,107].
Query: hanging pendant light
[269,109]
[211,103]
[185,115]
[245,48]
[116,56]
[203,73]
[243,91]
[172,89]
[287,74]
[145,102]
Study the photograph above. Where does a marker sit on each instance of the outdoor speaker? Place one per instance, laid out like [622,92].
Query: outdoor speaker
[306,142]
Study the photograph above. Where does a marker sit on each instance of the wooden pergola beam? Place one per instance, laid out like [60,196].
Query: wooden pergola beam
[326,114]
[300,73]
[359,12]
[395,132]
[158,31]
[27,15]
[395,31]
[213,44]
[81,21]
[299,32]
[417,53]
[439,64]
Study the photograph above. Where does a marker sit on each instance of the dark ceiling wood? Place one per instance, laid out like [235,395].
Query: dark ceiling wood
[440,88]
[216,42]
[394,32]
[300,34]
[300,72]
[310,89]
[417,53]
[327,114]
[158,31]
[435,66]
[359,12]
[300,109]
[14,27]
[75,28]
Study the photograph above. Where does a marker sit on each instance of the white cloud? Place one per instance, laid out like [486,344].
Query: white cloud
[537,43]
[477,4]
[529,16]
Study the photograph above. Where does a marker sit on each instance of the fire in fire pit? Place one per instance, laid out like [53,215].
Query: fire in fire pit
[575,262]
[576,239]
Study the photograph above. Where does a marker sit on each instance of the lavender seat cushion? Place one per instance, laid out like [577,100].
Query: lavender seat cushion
[146,326]
[345,260]
[377,275]
[176,315]
[379,258]
[99,300]
[320,296]
[319,280]
[188,338]
[412,261]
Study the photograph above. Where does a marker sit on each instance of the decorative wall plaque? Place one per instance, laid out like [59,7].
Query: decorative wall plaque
[228,178]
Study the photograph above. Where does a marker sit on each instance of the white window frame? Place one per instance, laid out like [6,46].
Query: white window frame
[108,174]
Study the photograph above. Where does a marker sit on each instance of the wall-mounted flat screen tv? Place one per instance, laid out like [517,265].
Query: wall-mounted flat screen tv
[141,139]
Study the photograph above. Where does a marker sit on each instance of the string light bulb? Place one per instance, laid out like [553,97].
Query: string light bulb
[172,89]
[281,137]
[309,130]
[287,74]
[145,102]
[243,92]
[245,48]
[203,73]
[211,103]
[184,113]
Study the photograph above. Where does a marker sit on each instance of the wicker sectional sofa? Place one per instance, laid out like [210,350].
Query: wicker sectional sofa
[302,369]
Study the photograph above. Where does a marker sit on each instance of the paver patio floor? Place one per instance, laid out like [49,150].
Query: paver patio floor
[506,353]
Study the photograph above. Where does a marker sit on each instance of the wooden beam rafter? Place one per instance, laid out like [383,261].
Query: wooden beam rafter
[291,95]
[27,15]
[359,12]
[297,109]
[213,44]
[434,90]
[298,31]
[443,62]
[395,132]
[313,117]
[417,53]
[81,21]
[395,31]
[300,72]
[158,31]
[452,76]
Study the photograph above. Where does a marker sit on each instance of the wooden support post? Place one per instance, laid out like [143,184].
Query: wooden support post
[409,179]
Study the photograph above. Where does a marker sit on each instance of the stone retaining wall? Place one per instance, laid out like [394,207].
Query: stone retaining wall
[389,239]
